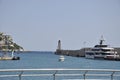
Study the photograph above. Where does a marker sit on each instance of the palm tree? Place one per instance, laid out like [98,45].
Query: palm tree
[1,39]
[1,36]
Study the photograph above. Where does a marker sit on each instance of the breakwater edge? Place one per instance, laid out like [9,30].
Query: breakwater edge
[81,52]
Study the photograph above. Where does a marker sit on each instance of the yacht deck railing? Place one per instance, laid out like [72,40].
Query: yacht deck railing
[111,74]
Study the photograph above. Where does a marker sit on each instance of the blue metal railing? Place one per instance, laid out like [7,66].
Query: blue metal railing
[111,74]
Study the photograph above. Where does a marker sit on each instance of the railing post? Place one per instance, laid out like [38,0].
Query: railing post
[85,74]
[112,75]
[54,75]
[20,75]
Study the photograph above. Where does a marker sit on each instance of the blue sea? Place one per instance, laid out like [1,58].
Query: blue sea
[40,60]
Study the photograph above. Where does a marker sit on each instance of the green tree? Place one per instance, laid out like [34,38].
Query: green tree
[1,36]
[8,43]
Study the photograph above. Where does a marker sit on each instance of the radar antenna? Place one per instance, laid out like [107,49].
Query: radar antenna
[101,40]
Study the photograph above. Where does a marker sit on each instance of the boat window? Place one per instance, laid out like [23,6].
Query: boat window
[90,53]
[95,49]
[100,45]
[105,53]
[106,49]
[97,53]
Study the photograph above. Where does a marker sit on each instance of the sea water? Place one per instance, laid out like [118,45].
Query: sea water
[40,60]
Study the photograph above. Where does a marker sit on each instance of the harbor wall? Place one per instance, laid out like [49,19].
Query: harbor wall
[77,53]
[118,50]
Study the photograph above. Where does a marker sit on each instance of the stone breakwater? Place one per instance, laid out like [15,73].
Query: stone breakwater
[77,53]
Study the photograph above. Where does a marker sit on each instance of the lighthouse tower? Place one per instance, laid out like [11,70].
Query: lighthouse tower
[59,45]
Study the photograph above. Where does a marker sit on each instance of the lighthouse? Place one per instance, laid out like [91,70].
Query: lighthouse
[59,45]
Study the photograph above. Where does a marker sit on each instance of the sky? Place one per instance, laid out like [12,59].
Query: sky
[39,24]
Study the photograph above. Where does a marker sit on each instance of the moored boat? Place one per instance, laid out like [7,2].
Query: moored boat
[7,47]
[8,56]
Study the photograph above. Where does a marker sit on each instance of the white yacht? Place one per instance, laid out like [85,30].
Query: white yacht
[101,52]
[8,56]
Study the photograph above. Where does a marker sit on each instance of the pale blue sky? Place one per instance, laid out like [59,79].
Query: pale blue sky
[39,24]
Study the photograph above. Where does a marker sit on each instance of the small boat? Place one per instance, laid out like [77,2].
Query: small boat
[7,48]
[102,52]
[5,56]
[61,58]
